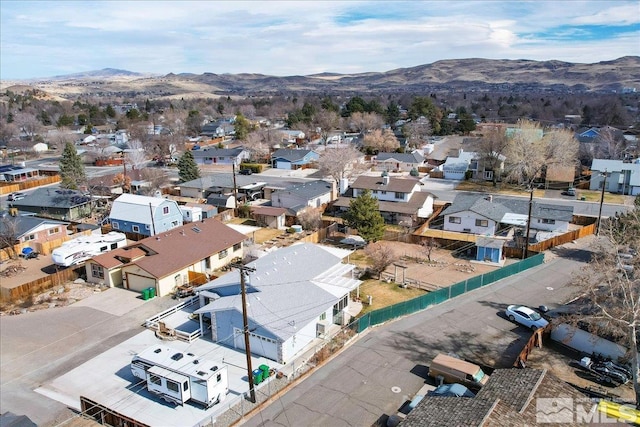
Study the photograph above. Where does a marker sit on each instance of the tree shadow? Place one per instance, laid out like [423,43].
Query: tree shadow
[52,269]
[575,254]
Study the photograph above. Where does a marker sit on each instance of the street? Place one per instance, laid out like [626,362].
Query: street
[387,365]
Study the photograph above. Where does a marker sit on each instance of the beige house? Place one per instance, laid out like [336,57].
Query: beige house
[187,254]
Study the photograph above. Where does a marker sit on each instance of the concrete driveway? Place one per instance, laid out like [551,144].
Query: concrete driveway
[388,365]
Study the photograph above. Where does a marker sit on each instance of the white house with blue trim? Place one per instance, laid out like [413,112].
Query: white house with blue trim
[144,215]
[295,294]
[286,158]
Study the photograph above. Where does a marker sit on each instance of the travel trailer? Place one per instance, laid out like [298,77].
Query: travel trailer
[82,248]
[179,377]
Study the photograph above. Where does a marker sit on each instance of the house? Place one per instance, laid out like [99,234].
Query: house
[146,216]
[401,162]
[220,156]
[298,197]
[217,129]
[622,177]
[510,397]
[287,158]
[65,205]
[168,259]
[457,167]
[11,173]
[400,200]
[289,136]
[269,216]
[31,231]
[295,294]
[208,211]
[488,215]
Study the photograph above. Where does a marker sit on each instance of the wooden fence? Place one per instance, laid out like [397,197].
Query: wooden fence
[7,188]
[563,238]
[26,289]
[534,341]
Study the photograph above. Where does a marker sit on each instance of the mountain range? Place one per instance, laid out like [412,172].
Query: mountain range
[461,75]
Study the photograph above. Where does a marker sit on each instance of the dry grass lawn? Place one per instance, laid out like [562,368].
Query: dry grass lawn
[502,188]
[384,294]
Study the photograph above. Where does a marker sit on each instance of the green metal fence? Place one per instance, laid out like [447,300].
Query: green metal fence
[404,308]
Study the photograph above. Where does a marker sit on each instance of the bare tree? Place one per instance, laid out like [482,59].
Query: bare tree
[428,246]
[364,122]
[491,149]
[27,123]
[609,146]
[531,150]
[611,286]
[327,121]
[381,257]
[338,162]
[7,132]
[259,144]
[310,219]
[9,235]
[156,178]
[381,141]
[417,132]
[136,156]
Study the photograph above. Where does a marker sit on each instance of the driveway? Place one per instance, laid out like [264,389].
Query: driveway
[388,364]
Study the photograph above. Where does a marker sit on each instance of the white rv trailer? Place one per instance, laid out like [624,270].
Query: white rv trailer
[178,377]
[82,248]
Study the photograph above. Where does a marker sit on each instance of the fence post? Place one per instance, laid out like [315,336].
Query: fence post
[449,292]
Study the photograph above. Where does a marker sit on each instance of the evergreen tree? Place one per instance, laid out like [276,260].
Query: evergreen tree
[188,168]
[364,215]
[71,168]
[242,126]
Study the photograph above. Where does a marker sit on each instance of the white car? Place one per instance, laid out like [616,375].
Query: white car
[525,316]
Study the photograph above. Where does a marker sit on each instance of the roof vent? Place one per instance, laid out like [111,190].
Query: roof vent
[196,229]
[177,356]
[157,350]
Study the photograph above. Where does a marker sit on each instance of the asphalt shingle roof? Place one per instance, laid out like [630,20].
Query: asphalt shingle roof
[400,185]
[290,154]
[499,206]
[53,198]
[24,224]
[414,157]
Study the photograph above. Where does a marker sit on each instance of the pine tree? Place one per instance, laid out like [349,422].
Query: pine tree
[364,215]
[188,168]
[71,168]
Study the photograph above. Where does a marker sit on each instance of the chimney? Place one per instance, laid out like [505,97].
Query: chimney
[385,180]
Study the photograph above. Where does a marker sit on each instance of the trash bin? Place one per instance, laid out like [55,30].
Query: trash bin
[152,292]
[145,294]
[257,376]
[265,371]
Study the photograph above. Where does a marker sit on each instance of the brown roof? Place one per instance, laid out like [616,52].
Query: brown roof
[268,210]
[561,173]
[186,245]
[509,398]
[401,185]
[411,207]
[110,259]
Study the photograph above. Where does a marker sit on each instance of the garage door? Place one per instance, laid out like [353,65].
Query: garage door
[260,345]
[283,165]
[138,283]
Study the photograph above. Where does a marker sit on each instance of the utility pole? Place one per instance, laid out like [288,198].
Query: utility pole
[525,250]
[153,225]
[243,270]
[235,187]
[604,185]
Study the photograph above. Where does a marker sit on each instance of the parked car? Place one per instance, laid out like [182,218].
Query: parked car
[246,171]
[525,316]
[16,196]
[569,192]
[452,390]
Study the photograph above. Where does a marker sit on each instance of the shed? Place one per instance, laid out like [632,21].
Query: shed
[489,249]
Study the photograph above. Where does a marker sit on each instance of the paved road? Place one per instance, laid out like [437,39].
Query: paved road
[37,347]
[355,388]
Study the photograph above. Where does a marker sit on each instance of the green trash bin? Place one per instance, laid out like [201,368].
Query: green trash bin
[152,292]
[145,294]
[265,371]
[257,376]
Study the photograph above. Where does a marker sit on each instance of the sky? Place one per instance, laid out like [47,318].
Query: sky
[49,38]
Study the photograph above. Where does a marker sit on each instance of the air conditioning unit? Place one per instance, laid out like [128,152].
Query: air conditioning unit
[322,328]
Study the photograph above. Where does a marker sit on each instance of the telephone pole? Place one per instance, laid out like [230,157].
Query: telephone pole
[243,271]
[525,250]
[604,185]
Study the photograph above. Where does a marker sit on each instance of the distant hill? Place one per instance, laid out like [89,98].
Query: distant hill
[468,75]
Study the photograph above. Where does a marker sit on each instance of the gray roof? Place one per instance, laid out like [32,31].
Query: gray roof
[289,154]
[309,190]
[499,206]
[488,242]
[414,157]
[25,224]
[225,180]
[290,287]
[53,198]
[514,387]
[438,411]
[218,152]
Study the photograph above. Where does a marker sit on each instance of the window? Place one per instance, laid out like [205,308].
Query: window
[399,195]
[185,386]
[97,271]
[383,192]
[219,377]
[114,245]
[323,316]
[223,254]
[207,263]
[172,386]
[455,219]
[165,210]
[29,237]
[154,379]
[482,223]
[103,248]
[54,230]
[548,221]
[174,223]
[135,228]
[237,247]
[115,225]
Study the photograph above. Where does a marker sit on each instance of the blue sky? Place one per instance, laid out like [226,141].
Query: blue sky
[47,38]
